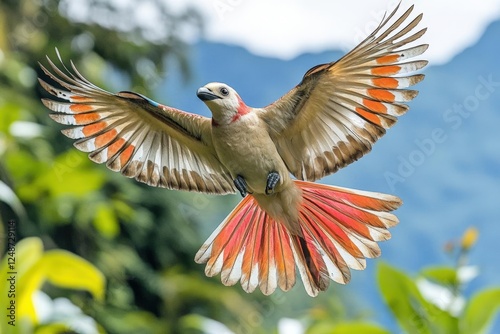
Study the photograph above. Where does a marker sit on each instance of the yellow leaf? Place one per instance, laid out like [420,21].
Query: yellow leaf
[16,280]
[33,267]
[68,270]
[28,252]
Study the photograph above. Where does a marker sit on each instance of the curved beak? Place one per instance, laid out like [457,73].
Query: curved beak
[206,94]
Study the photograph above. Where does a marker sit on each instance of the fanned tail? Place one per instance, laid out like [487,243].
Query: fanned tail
[251,247]
[339,228]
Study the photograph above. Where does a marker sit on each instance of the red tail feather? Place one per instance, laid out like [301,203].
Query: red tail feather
[338,229]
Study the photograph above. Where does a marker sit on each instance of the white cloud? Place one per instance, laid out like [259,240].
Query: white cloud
[287,28]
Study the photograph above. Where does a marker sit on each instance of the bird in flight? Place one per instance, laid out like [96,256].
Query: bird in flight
[286,225]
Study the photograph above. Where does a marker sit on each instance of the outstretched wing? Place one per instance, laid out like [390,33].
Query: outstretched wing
[155,144]
[340,109]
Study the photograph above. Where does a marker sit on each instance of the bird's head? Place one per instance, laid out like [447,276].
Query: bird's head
[223,101]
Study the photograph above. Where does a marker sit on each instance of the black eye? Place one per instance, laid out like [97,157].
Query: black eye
[224,91]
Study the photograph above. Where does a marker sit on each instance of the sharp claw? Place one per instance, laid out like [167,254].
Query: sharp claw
[272,180]
[241,185]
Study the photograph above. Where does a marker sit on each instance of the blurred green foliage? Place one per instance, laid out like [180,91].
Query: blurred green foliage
[433,302]
[33,267]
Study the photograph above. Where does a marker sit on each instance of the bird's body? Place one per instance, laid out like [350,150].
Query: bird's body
[285,222]
[253,155]
[245,148]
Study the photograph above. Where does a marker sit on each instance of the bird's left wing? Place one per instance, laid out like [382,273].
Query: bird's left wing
[340,109]
[155,144]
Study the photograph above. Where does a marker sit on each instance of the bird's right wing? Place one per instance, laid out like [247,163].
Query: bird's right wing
[155,144]
[340,109]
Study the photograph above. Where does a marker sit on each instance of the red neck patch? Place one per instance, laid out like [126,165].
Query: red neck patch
[243,109]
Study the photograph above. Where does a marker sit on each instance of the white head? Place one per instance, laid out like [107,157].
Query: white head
[223,101]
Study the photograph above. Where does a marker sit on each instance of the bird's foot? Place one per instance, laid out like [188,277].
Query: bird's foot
[272,180]
[241,185]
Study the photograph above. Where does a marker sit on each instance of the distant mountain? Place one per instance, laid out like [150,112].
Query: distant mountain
[442,158]
[258,80]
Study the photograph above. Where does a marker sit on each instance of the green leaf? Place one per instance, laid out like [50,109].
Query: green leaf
[23,166]
[106,222]
[349,328]
[192,321]
[441,275]
[403,298]
[64,180]
[68,270]
[480,312]
[54,328]
[9,113]
[71,174]
[122,209]
[413,313]
[331,327]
